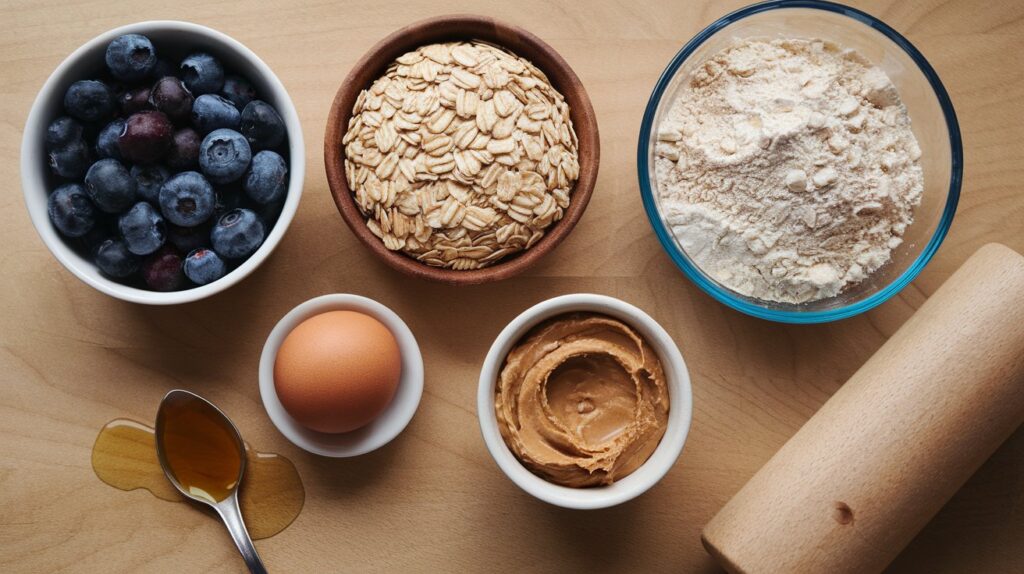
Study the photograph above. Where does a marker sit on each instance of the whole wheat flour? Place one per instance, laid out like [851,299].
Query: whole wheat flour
[787,168]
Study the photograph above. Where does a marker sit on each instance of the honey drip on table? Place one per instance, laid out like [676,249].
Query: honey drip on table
[271,494]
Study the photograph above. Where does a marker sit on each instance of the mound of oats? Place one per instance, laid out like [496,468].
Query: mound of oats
[461,154]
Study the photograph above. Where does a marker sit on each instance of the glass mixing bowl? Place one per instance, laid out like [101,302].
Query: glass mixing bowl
[933,122]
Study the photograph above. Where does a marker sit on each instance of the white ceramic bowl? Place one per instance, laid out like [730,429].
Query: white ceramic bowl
[385,427]
[86,62]
[680,407]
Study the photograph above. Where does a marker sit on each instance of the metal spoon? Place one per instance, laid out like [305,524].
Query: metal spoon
[225,503]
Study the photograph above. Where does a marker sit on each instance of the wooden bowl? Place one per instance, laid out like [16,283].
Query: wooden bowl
[444,29]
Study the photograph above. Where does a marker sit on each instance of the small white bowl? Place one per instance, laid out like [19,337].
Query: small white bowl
[680,406]
[86,62]
[390,422]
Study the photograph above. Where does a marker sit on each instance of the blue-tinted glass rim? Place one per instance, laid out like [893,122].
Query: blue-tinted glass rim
[730,299]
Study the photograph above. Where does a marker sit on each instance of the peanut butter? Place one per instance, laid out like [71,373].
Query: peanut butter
[582,400]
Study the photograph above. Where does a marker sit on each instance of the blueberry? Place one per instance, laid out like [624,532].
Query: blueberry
[71,211]
[171,97]
[238,90]
[267,178]
[184,152]
[262,125]
[143,229]
[204,266]
[89,101]
[224,156]
[72,160]
[187,199]
[211,112]
[110,185]
[187,239]
[162,271]
[237,234]
[61,132]
[134,101]
[114,259]
[202,74]
[146,137]
[131,57]
[106,142]
[148,179]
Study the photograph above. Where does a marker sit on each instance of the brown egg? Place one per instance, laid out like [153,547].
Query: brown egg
[337,371]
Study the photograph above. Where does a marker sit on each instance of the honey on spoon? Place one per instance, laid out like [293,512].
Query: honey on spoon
[125,457]
[203,456]
[271,496]
[198,447]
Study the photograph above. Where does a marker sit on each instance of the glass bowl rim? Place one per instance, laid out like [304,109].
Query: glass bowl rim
[725,296]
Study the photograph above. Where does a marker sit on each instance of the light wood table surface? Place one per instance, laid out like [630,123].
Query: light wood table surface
[71,358]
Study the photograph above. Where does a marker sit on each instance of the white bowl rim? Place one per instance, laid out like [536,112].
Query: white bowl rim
[385,427]
[680,396]
[32,169]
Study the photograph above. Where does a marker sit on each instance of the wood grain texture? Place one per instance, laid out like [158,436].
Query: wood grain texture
[71,359]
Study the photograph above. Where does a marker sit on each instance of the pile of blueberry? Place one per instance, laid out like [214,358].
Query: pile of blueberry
[167,177]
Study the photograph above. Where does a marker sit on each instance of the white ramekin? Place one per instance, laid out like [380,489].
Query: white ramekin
[680,409]
[385,427]
[86,62]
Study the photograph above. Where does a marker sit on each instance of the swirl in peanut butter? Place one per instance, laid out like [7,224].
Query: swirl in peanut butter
[582,400]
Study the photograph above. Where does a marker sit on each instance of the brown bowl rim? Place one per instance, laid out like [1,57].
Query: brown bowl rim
[451,27]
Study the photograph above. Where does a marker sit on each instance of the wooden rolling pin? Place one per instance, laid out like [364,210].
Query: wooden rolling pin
[882,456]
